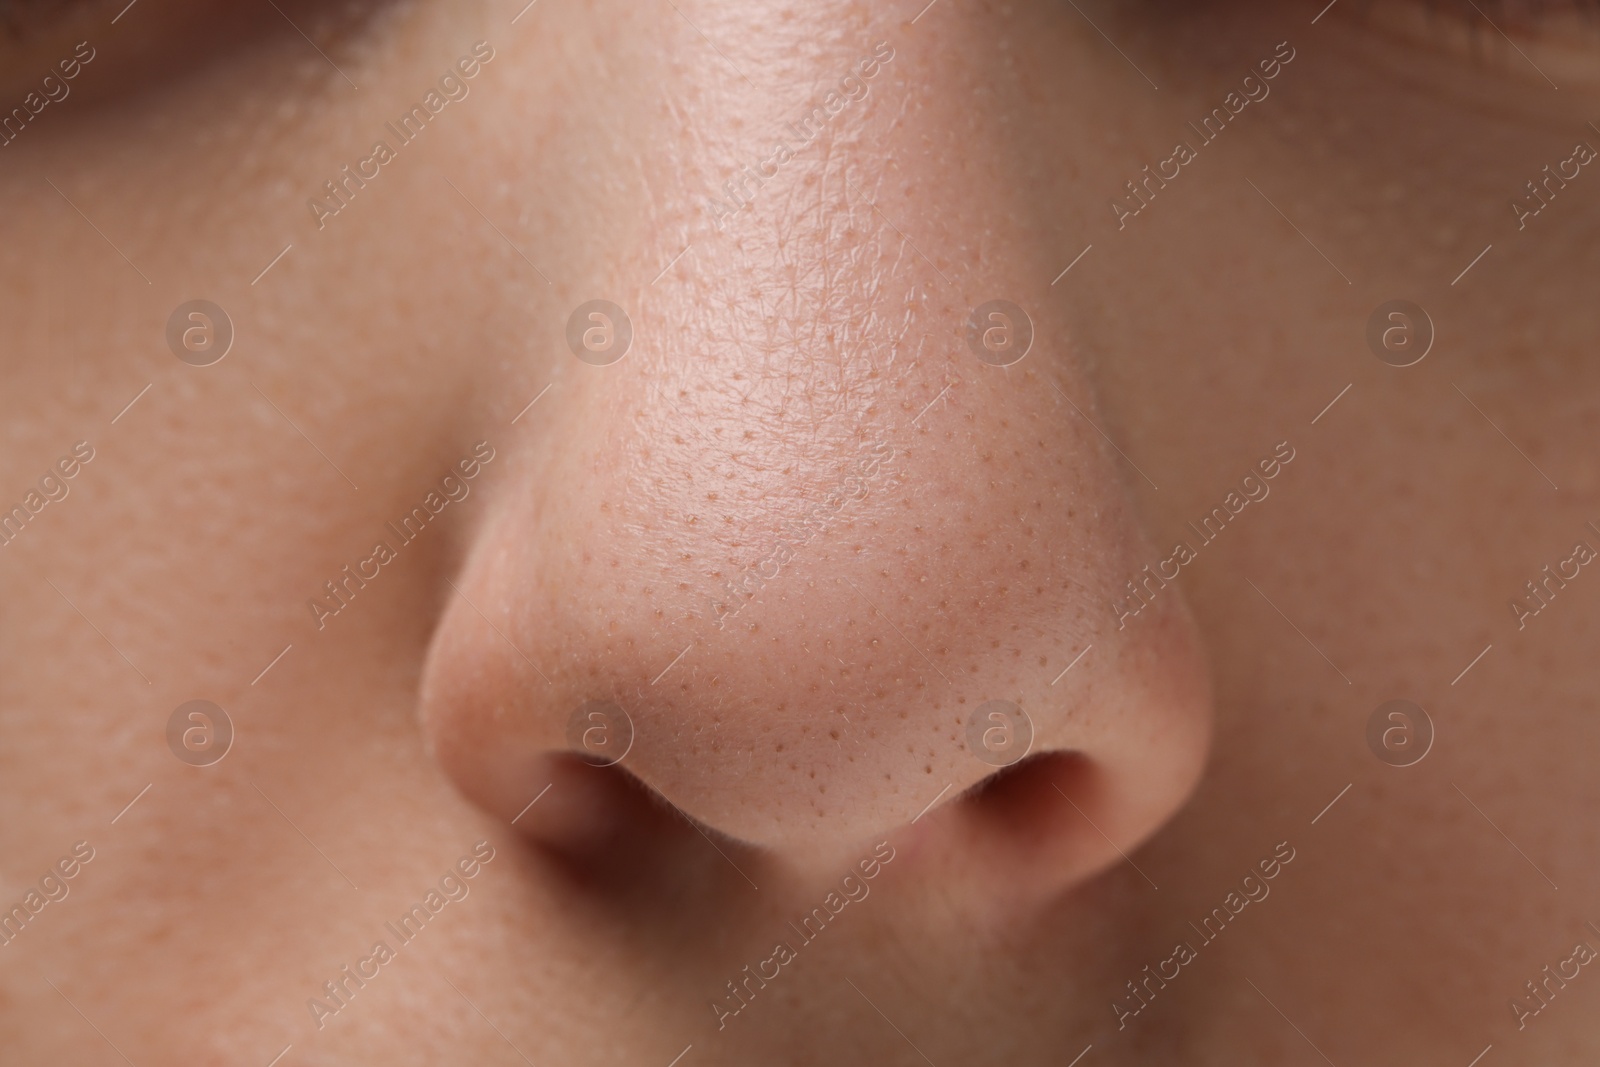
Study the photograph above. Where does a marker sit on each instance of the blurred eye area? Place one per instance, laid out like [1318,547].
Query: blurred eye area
[57,40]
[142,45]
[30,22]
[19,17]
[1548,43]
[1510,16]
[1530,10]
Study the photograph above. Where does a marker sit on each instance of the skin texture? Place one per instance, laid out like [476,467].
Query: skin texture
[928,532]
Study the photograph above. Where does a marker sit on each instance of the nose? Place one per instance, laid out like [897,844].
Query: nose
[839,538]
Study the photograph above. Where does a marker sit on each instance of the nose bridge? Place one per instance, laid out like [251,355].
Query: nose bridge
[842,248]
[820,175]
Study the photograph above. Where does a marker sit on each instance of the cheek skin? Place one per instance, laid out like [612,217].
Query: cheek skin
[829,699]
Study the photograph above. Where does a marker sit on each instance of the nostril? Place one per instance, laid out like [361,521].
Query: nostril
[608,829]
[1011,796]
[1034,828]
[584,811]
[1027,806]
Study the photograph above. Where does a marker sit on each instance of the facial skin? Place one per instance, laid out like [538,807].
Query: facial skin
[799,533]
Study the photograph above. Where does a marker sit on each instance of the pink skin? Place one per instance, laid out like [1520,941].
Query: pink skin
[799,533]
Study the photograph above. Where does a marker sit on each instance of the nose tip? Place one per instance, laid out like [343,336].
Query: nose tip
[819,645]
